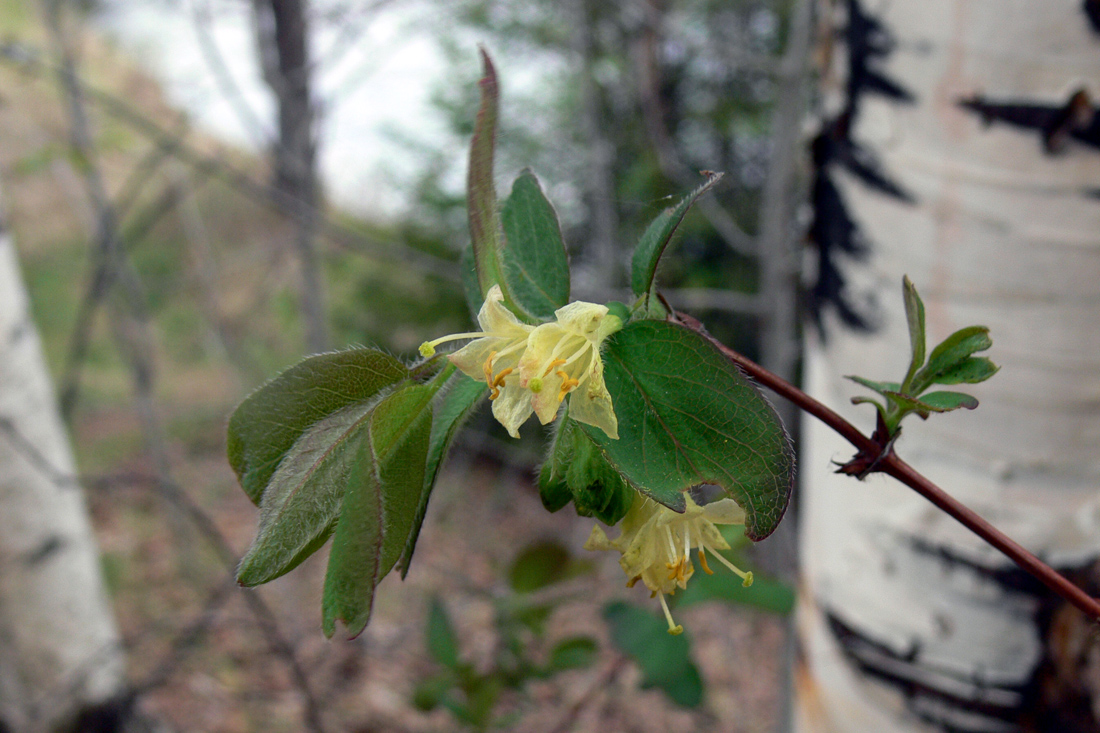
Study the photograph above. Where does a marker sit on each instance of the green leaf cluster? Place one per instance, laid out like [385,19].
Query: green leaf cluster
[951,362]
[344,445]
[521,654]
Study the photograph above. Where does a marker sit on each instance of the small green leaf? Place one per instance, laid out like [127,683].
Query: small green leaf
[442,640]
[947,401]
[576,652]
[536,265]
[951,353]
[380,506]
[459,400]
[265,426]
[880,387]
[647,255]
[971,370]
[914,315]
[664,660]
[538,566]
[687,416]
[931,402]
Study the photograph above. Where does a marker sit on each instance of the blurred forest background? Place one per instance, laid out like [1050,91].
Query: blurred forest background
[202,191]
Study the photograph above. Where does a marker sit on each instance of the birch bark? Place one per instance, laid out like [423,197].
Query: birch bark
[60,652]
[909,623]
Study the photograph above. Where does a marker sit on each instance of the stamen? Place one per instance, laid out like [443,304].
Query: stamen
[673,628]
[566,384]
[498,380]
[489,369]
[746,578]
[687,542]
[551,365]
[703,562]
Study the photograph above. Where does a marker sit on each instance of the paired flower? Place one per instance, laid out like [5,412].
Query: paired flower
[656,544]
[532,368]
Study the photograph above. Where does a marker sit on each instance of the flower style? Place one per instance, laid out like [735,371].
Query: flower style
[531,369]
[656,545]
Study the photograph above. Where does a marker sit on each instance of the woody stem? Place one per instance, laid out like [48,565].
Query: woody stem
[890,464]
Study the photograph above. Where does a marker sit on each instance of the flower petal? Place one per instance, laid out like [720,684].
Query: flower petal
[471,358]
[591,403]
[512,407]
[724,511]
[581,318]
[495,318]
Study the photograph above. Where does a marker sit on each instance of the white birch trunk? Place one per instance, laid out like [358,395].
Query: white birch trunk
[60,652]
[897,633]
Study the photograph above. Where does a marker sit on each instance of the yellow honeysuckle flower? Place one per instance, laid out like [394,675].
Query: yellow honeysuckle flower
[656,543]
[563,357]
[531,369]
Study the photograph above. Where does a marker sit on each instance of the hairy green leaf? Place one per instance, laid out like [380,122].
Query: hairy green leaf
[536,265]
[972,370]
[269,422]
[946,401]
[647,255]
[486,234]
[914,316]
[951,353]
[461,397]
[380,506]
[687,416]
[880,387]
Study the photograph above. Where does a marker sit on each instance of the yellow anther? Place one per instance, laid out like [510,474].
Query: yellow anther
[703,562]
[566,384]
[551,365]
[498,380]
[630,583]
[427,350]
[489,369]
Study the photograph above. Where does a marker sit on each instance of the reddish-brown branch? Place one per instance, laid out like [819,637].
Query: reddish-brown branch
[891,465]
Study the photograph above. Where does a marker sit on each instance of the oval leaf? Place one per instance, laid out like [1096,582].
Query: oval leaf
[950,354]
[265,426]
[647,255]
[687,416]
[379,507]
[536,265]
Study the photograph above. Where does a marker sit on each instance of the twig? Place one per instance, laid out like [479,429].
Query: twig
[891,465]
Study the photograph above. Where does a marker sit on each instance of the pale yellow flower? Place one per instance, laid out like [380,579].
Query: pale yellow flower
[656,543]
[563,358]
[531,369]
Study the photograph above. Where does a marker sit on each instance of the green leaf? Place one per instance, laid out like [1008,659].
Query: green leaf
[914,315]
[880,387]
[536,265]
[576,652]
[486,235]
[538,566]
[687,416]
[269,422]
[951,353]
[442,640]
[647,255]
[947,401]
[931,402]
[971,370]
[302,502]
[459,400]
[380,506]
[664,659]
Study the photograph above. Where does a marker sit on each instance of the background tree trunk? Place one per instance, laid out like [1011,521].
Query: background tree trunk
[283,36]
[61,660]
[908,622]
